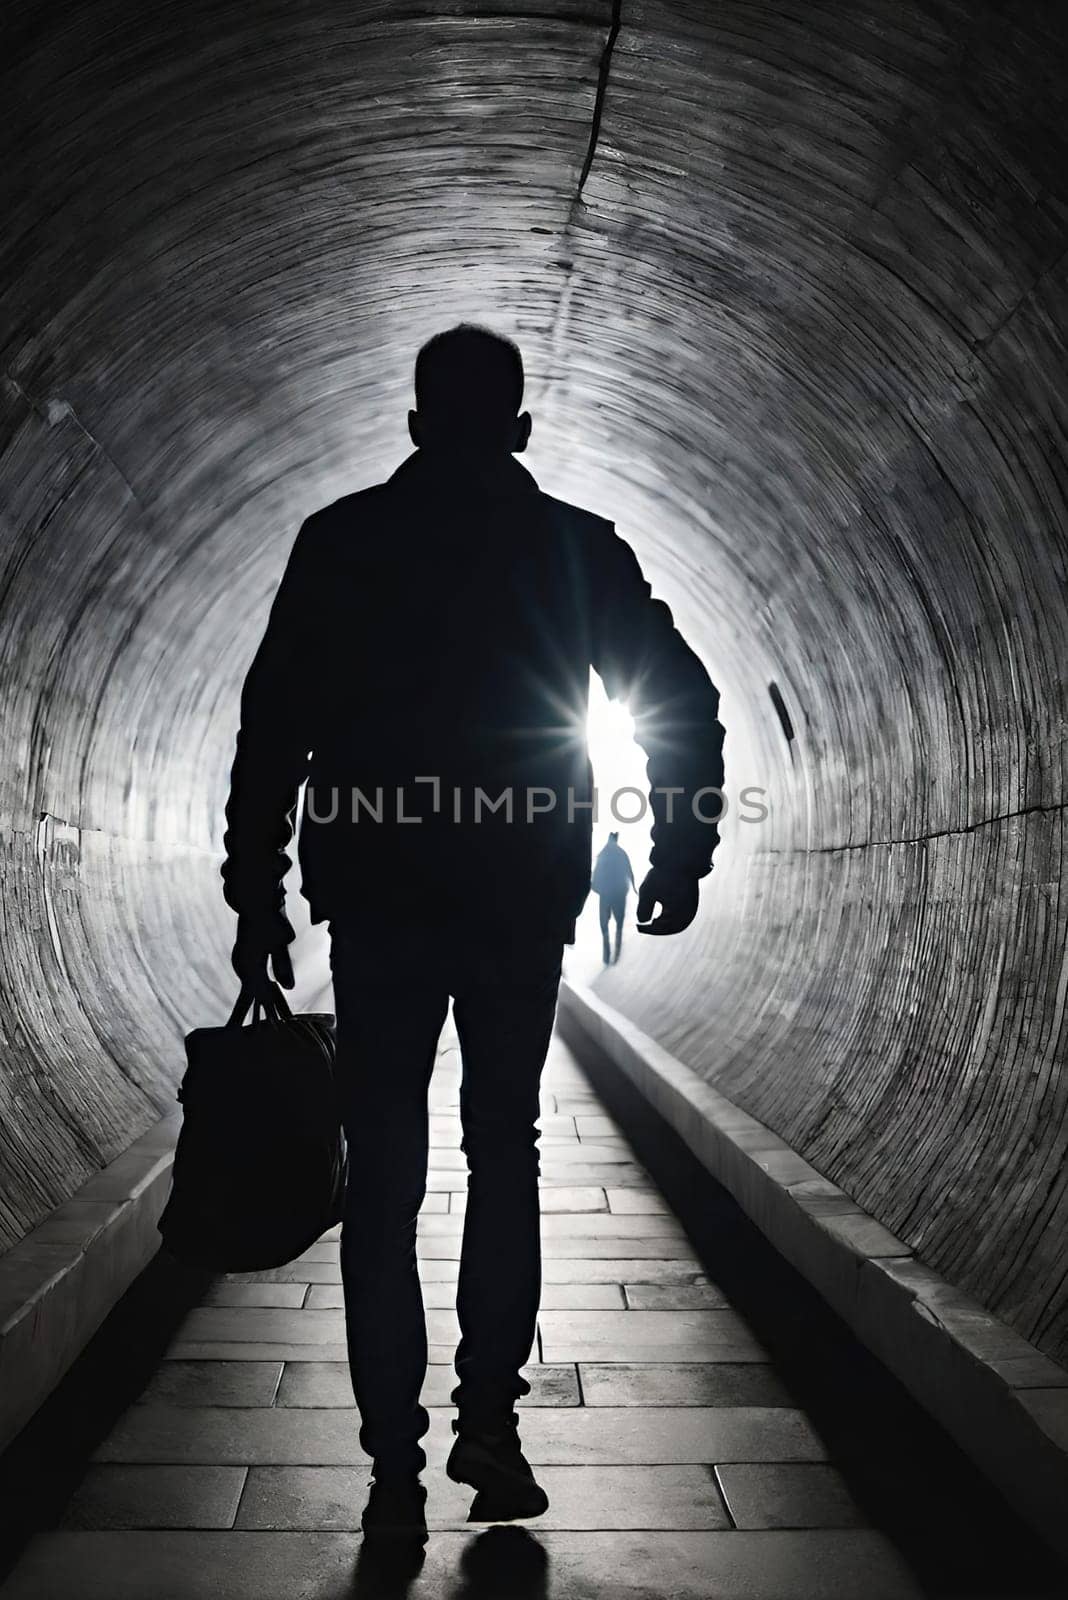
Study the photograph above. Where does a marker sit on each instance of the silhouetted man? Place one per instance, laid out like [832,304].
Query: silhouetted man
[425,668]
[613,876]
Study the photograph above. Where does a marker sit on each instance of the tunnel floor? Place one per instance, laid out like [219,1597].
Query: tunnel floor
[703,1427]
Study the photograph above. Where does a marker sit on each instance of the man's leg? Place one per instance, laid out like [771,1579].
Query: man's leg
[619,911]
[390,1013]
[504,1015]
[605,908]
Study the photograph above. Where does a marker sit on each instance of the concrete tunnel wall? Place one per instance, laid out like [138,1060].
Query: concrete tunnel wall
[790,282]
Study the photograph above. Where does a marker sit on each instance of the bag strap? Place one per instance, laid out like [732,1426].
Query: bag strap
[268,1004]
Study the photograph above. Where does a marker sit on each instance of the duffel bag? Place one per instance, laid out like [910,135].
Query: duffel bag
[260,1164]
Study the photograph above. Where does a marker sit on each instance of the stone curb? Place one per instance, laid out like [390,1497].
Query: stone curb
[1001,1399]
[59,1283]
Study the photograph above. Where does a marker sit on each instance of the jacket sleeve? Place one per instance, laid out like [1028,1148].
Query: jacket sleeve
[273,742]
[643,659]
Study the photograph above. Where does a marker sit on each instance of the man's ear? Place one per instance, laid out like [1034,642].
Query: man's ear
[415,428]
[522,433]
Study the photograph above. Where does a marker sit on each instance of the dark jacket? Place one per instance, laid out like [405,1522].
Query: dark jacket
[442,626]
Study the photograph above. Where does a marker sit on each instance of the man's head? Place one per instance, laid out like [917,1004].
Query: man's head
[613,838]
[468,390]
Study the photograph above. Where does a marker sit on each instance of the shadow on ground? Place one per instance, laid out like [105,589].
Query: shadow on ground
[501,1564]
[44,1465]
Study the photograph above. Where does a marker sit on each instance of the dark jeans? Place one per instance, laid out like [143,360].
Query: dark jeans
[391,994]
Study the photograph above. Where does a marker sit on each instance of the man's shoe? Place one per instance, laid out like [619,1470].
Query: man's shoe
[396,1507]
[495,1466]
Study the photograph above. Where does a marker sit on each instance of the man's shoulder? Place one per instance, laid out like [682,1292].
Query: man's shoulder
[336,531]
[347,510]
[365,509]
[575,522]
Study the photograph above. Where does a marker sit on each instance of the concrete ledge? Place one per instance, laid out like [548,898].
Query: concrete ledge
[59,1283]
[1003,1401]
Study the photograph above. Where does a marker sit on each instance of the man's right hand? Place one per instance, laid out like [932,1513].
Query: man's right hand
[677,897]
[263,944]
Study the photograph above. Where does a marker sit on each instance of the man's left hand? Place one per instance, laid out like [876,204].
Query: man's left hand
[677,897]
[262,945]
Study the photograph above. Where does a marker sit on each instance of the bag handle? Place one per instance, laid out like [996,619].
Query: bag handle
[268,1004]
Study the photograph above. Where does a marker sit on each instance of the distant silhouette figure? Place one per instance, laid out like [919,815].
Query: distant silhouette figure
[612,878]
[425,669]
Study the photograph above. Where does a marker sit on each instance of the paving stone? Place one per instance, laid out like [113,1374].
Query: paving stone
[295,1272]
[604,1152]
[631,1497]
[441,1296]
[566,1198]
[635,1335]
[674,1296]
[579,1498]
[315,1384]
[287,1498]
[717,1383]
[629,1202]
[781,1496]
[331,1296]
[430,1271]
[596,1124]
[626,1436]
[624,1175]
[262,1325]
[213,1383]
[594,1248]
[558,1126]
[594,1174]
[581,1296]
[280,1296]
[562,1155]
[569,1222]
[612,1269]
[560,1436]
[217,1435]
[850,1564]
[558,1225]
[322,1250]
[156,1497]
[235,1350]
[326,1383]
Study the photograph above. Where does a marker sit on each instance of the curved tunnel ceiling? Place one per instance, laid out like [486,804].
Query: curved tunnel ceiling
[789,280]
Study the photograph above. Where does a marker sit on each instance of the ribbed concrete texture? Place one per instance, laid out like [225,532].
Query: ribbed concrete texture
[790,282]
